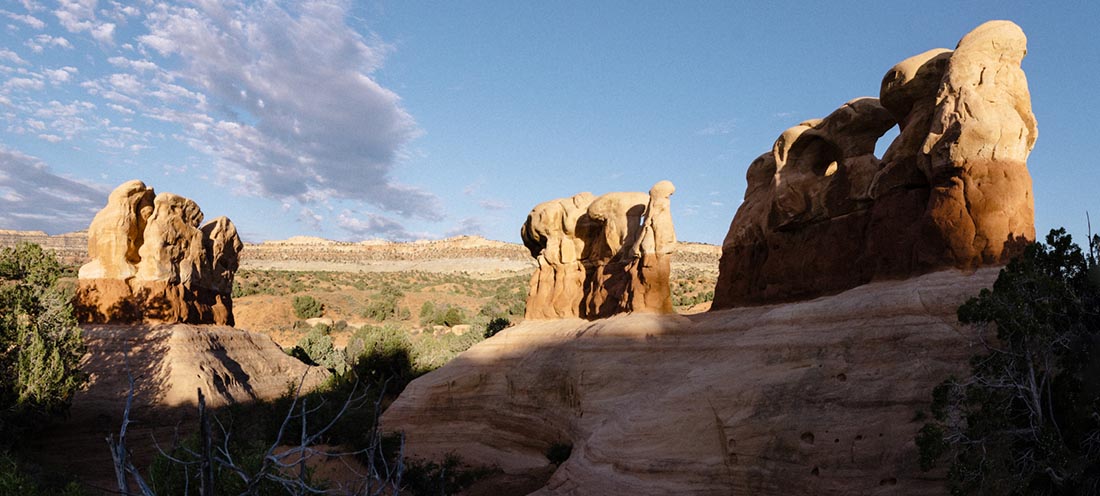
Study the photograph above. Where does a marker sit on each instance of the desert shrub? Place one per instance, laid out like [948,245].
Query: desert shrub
[316,348]
[444,315]
[427,311]
[449,476]
[386,305]
[306,307]
[40,343]
[1025,420]
[496,325]
[14,479]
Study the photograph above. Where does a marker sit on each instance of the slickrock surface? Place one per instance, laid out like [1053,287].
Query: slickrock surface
[601,256]
[169,362]
[151,262]
[816,397]
[821,213]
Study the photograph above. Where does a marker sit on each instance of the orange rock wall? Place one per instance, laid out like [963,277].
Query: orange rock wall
[822,214]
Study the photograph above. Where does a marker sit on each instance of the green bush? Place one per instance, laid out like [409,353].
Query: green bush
[316,348]
[306,307]
[386,305]
[496,325]
[1025,421]
[40,343]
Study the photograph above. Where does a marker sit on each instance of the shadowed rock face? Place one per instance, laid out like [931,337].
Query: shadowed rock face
[600,256]
[822,213]
[814,397]
[151,262]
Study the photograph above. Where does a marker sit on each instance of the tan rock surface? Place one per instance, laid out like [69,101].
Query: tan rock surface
[601,256]
[116,232]
[821,213]
[151,262]
[169,364]
[817,397]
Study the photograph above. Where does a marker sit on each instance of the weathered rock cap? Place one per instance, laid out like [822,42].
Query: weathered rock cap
[151,262]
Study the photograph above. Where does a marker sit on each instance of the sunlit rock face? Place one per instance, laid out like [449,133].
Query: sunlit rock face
[600,256]
[152,262]
[821,213]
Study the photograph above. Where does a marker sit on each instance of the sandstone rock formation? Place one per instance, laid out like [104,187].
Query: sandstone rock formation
[821,213]
[151,262]
[169,363]
[815,397]
[600,256]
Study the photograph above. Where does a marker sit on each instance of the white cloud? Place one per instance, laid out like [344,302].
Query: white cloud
[11,56]
[138,65]
[43,41]
[372,225]
[324,129]
[467,226]
[24,84]
[62,75]
[27,19]
[78,16]
[36,198]
[492,204]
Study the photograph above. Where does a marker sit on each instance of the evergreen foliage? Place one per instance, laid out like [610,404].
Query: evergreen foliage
[1027,420]
[40,343]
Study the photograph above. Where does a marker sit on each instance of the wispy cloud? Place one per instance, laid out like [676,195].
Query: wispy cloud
[718,128]
[466,226]
[368,224]
[291,108]
[492,204]
[34,198]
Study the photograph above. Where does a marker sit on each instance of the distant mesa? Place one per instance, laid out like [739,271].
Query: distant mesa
[821,213]
[151,262]
[601,256]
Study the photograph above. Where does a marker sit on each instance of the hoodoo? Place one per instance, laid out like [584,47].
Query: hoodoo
[822,214]
[151,262]
[600,256]
[775,396]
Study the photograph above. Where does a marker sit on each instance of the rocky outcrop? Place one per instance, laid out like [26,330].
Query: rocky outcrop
[821,213]
[151,262]
[815,397]
[600,256]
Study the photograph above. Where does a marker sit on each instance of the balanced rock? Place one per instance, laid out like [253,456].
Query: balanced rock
[599,256]
[151,262]
[821,213]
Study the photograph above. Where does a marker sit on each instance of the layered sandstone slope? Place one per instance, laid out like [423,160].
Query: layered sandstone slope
[817,397]
[171,361]
[601,256]
[821,213]
[152,262]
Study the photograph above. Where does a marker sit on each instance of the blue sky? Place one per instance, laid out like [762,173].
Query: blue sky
[407,120]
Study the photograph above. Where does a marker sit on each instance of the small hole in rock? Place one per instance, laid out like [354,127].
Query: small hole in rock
[859,437]
[841,377]
[837,440]
[892,481]
[808,437]
[815,472]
